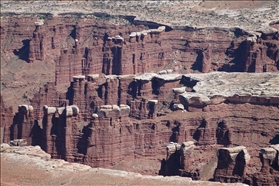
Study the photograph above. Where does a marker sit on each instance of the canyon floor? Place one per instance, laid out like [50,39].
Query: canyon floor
[32,166]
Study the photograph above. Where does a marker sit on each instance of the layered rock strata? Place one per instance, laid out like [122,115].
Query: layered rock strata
[6,118]
[85,45]
[233,163]
[128,96]
[68,128]
[182,160]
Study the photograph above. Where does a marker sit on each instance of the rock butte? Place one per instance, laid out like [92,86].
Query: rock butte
[112,94]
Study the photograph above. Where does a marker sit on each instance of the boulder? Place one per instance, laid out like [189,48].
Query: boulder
[194,99]
[179,90]
[18,142]
[268,154]
[145,77]
[172,148]
[72,110]
[93,77]
[178,107]
[109,111]
[124,110]
[168,77]
[78,78]
[186,146]
[49,110]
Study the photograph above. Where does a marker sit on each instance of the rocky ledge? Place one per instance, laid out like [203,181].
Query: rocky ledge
[218,87]
[57,167]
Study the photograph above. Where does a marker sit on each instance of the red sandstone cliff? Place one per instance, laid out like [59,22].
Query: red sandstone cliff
[88,46]
[97,132]
[125,115]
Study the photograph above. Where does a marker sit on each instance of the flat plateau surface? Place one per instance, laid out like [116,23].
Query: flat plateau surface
[250,15]
[229,84]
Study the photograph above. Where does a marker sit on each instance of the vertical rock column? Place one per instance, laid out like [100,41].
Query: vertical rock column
[108,56]
[260,63]
[268,174]
[144,88]
[144,92]
[92,140]
[79,92]
[6,120]
[47,125]
[93,101]
[249,59]
[112,90]
[205,135]
[232,162]
[71,132]
[186,151]
[172,159]
[117,60]
[126,89]
[187,155]
[25,122]
[111,137]
[206,60]
[268,157]
[151,106]
[255,58]
[37,43]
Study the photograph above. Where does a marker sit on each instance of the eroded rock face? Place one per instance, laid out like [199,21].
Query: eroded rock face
[269,172]
[125,96]
[61,132]
[186,159]
[112,137]
[81,126]
[23,126]
[232,164]
[6,118]
[135,49]
[34,156]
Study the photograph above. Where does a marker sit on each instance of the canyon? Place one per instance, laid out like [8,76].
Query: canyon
[113,91]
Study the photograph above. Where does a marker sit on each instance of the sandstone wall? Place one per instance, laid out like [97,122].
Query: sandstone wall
[6,119]
[234,162]
[82,46]
[121,115]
